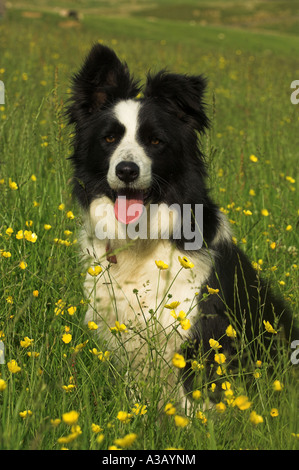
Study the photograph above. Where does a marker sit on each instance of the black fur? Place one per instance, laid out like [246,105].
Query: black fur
[173,111]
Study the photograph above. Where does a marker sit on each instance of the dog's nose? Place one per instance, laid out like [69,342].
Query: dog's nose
[127,171]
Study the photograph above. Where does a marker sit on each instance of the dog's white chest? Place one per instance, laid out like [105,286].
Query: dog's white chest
[134,293]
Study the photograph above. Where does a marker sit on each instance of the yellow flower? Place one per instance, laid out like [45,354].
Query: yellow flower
[201,416]
[12,184]
[55,422]
[47,227]
[9,231]
[35,293]
[33,178]
[124,417]
[70,418]
[70,438]
[119,328]
[181,317]
[290,179]
[13,366]
[274,412]
[100,438]
[68,388]
[59,309]
[94,351]
[196,394]
[185,324]
[169,409]
[220,407]
[61,207]
[67,233]
[66,338]
[139,409]
[161,265]
[94,271]
[214,344]
[264,212]
[3,385]
[212,291]
[23,265]
[226,385]
[230,332]
[30,237]
[92,325]
[96,428]
[178,361]
[181,421]
[172,305]
[80,346]
[33,354]
[126,441]
[269,327]
[20,235]
[25,414]
[273,245]
[26,342]
[185,262]
[247,212]
[220,358]
[253,158]
[255,418]
[71,310]
[277,386]
[289,228]
[196,366]
[70,215]
[220,370]
[242,402]
[252,192]
[6,254]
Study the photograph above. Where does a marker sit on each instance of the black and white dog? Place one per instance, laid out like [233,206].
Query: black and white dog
[132,154]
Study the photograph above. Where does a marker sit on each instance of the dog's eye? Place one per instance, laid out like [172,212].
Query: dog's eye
[110,139]
[155,141]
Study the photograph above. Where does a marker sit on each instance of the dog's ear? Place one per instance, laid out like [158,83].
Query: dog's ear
[181,95]
[102,80]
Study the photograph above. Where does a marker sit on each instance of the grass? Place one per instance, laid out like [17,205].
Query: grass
[249,104]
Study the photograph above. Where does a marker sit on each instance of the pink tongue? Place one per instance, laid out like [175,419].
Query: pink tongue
[129,208]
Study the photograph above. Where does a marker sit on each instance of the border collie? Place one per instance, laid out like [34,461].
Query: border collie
[133,154]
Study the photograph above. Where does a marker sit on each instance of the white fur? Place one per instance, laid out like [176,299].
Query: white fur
[129,149]
[152,330]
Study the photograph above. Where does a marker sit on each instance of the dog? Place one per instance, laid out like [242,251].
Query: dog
[163,292]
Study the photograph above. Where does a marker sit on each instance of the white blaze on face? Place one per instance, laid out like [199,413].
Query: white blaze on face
[129,206]
[129,149]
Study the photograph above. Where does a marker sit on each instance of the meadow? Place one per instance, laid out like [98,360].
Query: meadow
[59,386]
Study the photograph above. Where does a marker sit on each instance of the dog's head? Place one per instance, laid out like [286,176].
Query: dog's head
[130,146]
